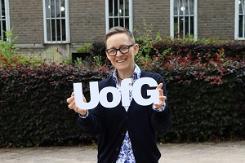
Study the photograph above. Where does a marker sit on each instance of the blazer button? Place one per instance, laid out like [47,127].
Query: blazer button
[117,149]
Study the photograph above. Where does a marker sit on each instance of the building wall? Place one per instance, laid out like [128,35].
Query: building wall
[26,21]
[87,20]
[153,15]
[87,23]
[216,19]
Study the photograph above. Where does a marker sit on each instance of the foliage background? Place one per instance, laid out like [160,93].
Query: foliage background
[34,112]
[205,82]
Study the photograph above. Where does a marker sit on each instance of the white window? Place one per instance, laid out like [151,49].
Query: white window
[119,13]
[56,21]
[240,19]
[183,18]
[4,19]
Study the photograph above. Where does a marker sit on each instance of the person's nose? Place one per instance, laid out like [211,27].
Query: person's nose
[118,54]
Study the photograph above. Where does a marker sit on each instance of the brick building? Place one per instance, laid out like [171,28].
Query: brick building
[38,24]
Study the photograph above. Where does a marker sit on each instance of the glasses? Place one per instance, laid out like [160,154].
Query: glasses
[124,49]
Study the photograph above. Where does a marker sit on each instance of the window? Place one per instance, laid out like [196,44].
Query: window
[4,19]
[119,13]
[56,22]
[240,19]
[183,18]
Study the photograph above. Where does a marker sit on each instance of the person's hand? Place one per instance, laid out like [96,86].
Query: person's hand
[162,98]
[72,105]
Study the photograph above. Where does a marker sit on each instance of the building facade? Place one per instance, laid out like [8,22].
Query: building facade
[39,24]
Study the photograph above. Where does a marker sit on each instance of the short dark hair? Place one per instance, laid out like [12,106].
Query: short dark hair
[118,29]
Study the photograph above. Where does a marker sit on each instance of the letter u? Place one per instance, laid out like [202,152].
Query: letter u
[94,94]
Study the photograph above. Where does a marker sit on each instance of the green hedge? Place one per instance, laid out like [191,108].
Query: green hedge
[203,111]
[33,109]
[201,48]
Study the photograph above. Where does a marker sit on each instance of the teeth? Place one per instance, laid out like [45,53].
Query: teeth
[120,61]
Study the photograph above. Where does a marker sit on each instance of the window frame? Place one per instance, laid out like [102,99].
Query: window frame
[172,19]
[236,26]
[130,15]
[7,18]
[66,24]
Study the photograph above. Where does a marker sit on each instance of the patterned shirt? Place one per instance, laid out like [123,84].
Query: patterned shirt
[126,154]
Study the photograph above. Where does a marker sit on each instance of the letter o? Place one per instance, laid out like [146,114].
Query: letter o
[116,97]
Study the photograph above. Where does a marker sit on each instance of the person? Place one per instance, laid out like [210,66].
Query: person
[126,134]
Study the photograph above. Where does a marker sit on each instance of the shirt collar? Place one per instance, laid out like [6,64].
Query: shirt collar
[136,74]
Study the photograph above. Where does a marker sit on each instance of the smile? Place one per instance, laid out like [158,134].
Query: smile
[120,61]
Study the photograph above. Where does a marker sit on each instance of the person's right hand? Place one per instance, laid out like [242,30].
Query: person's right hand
[72,105]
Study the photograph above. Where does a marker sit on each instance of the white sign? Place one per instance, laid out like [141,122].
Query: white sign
[96,96]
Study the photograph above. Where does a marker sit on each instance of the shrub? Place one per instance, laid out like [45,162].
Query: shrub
[203,110]
[33,108]
[200,48]
[85,48]
[34,112]
[7,48]
[206,95]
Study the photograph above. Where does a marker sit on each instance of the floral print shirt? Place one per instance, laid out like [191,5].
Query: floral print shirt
[126,154]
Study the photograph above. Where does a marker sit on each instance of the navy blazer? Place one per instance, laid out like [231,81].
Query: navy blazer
[141,122]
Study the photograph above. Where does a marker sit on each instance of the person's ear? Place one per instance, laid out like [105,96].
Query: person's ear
[136,49]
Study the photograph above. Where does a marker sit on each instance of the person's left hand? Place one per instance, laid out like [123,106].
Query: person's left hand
[162,98]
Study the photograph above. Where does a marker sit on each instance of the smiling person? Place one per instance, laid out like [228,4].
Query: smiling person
[126,134]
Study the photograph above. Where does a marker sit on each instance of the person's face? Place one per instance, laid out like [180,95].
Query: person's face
[123,60]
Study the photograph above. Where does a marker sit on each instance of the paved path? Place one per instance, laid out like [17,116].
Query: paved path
[229,152]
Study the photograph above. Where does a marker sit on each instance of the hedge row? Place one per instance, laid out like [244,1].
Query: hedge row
[33,109]
[229,49]
[179,47]
[206,112]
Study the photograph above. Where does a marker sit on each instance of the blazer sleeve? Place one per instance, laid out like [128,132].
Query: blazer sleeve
[161,121]
[92,124]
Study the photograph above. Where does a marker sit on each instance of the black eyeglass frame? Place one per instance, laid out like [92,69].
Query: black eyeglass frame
[119,49]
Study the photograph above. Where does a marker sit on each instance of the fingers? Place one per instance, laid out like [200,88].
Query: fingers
[70,99]
[71,102]
[72,105]
[160,92]
[159,86]
[157,106]
[161,101]
[82,112]
[162,98]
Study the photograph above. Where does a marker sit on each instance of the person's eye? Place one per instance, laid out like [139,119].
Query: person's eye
[111,51]
[124,48]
